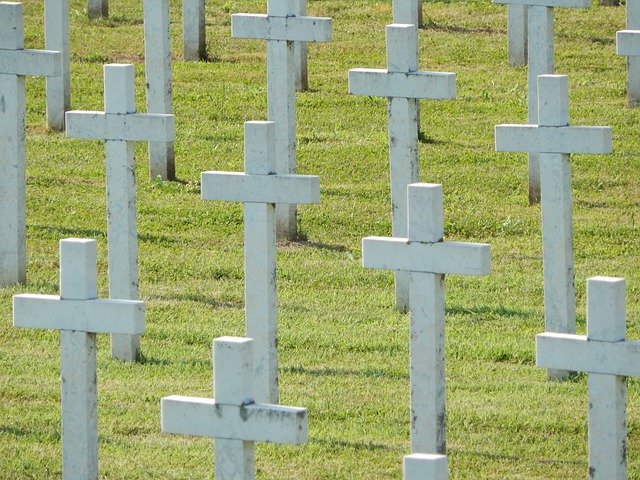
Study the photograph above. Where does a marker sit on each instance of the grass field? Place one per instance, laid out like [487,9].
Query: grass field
[343,347]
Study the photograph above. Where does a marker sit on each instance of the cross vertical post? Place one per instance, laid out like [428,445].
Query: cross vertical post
[56,37]
[261,189]
[194,46]
[422,466]
[97,9]
[403,85]
[280,27]
[17,62]
[428,258]
[628,44]
[157,63]
[120,127]
[517,34]
[301,53]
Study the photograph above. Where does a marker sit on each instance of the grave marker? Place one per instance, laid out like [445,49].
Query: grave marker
[280,28]
[16,62]
[553,140]
[427,258]
[97,9]
[608,359]
[120,126]
[79,315]
[423,466]
[194,46]
[157,61]
[300,54]
[517,34]
[261,189]
[628,44]
[540,62]
[233,418]
[56,38]
[403,85]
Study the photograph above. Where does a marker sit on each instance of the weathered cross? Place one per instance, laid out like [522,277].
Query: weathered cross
[553,140]
[260,189]
[407,12]
[56,37]
[540,62]
[233,418]
[97,9]
[422,466]
[79,315]
[120,126]
[403,85]
[194,45]
[427,258]
[280,27]
[157,64]
[16,63]
[628,44]
[608,359]
[517,34]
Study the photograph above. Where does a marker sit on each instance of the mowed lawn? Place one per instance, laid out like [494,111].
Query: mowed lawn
[343,347]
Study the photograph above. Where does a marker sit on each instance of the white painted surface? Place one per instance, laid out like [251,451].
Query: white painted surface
[56,38]
[300,53]
[425,466]
[194,46]
[517,34]
[296,29]
[382,83]
[133,127]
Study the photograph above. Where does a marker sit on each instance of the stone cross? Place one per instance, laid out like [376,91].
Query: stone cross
[540,62]
[423,466]
[517,34]
[16,62]
[97,9]
[628,44]
[403,85]
[233,418]
[300,52]
[608,359]
[194,46]
[407,12]
[79,315]
[157,61]
[428,258]
[553,140]
[120,127]
[281,28]
[56,37]
[260,189]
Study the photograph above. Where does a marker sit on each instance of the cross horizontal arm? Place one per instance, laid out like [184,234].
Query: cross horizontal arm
[577,353]
[295,29]
[33,63]
[399,254]
[242,187]
[535,139]
[254,422]
[382,83]
[96,316]
[133,127]
[548,3]
[628,43]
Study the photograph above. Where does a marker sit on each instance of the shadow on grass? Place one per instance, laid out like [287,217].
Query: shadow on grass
[343,372]
[41,435]
[302,242]
[341,444]
[197,298]
[513,458]
[492,311]
[64,232]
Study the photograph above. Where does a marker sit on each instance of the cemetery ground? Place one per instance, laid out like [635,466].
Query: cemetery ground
[343,347]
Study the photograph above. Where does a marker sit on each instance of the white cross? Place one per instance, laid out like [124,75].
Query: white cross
[553,140]
[403,85]
[280,27]
[79,315]
[119,126]
[540,62]
[517,34]
[56,37]
[157,63]
[407,12]
[260,189]
[97,9]
[232,418]
[424,466]
[628,44]
[608,359]
[16,63]
[194,46]
[427,257]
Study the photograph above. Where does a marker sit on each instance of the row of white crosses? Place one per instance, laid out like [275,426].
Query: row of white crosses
[554,140]
[280,27]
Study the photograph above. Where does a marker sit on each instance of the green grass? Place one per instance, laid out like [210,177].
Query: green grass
[343,347]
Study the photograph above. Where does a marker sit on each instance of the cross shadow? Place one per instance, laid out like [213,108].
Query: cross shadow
[342,372]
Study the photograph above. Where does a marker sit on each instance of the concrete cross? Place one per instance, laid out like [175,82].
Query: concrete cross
[260,189]
[16,63]
[428,258]
[97,9]
[422,466]
[608,359]
[517,34]
[56,37]
[79,315]
[403,85]
[194,45]
[407,12]
[157,61]
[233,418]
[553,140]
[281,28]
[539,18]
[628,44]
[120,126]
